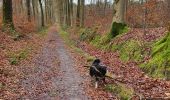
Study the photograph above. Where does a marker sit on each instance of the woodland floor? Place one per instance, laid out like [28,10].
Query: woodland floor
[56,73]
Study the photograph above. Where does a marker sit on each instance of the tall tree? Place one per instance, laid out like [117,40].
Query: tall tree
[78,13]
[58,11]
[68,13]
[42,14]
[105,4]
[71,11]
[82,13]
[28,3]
[168,9]
[119,9]
[7,14]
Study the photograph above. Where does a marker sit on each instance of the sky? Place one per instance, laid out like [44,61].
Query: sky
[88,1]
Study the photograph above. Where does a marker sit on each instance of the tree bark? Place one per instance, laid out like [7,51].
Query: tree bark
[78,13]
[42,14]
[33,8]
[82,13]
[7,14]
[119,8]
[28,10]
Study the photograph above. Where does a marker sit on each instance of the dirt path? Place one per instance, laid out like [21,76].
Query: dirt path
[52,75]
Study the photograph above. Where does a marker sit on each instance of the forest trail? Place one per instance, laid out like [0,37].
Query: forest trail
[53,75]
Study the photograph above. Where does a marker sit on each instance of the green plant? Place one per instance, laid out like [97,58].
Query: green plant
[2,85]
[159,64]
[16,57]
[121,90]
[87,34]
[42,31]
[13,61]
[129,50]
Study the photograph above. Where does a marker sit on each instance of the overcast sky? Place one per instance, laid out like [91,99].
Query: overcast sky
[88,1]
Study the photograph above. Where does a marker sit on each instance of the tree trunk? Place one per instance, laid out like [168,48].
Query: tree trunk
[42,14]
[82,13]
[7,14]
[33,8]
[119,8]
[71,11]
[78,13]
[28,10]
[168,9]
[68,13]
[58,12]
[105,4]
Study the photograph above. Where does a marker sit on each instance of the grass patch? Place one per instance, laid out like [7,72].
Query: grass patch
[129,50]
[42,31]
[16,57]
[159,64]
[101,42]
[16,36]
[87,34]
[120,90]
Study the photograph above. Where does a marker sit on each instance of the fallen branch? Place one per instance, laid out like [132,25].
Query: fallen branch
[87,66]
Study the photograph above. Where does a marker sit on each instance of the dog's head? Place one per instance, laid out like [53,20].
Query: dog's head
[96,62]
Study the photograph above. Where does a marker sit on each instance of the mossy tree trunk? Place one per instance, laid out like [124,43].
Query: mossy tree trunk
[118,18]
[7,14]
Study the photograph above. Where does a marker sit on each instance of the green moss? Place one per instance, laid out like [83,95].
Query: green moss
[118,28]
[16,57]
[87,34]
[42,31]
[159,64]
[96,41]
[129,50]
[102,42]
[106,39]
[123,92]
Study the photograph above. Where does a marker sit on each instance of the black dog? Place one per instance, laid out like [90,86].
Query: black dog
[98,71]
